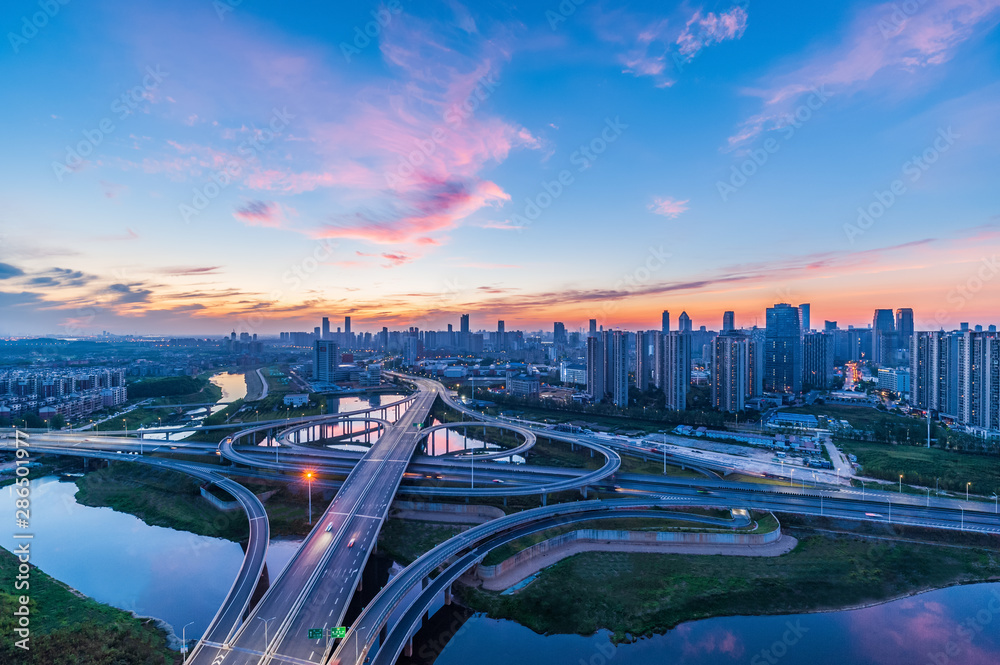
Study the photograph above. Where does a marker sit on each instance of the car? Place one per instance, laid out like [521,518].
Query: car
[350,543]
[497,480]
[329,527]
[705,491]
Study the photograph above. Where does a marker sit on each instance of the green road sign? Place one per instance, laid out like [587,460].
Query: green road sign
[340,632]
[315,633]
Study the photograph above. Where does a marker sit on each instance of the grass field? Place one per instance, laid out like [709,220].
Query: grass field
[161,498]
[547,452]
[860,417]
[922,466]
[405,540]
[643,594]
[69,628]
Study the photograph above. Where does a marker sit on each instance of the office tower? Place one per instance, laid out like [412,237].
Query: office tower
[676,369]
[384,342]
[783,349]
[904,327]
[665,322]
[964,326]
[464,325]
[316,332]
[347,325]
[730,370]
[804,315]
[817,361]
[883,337]
[326,360]
[829,326]
[559,333]
[684,323]
[645,358]
[728,322]
[593,328]
[326,327]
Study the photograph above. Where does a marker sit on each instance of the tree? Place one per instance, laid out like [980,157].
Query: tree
[58,421]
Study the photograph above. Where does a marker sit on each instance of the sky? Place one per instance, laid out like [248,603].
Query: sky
[200,166]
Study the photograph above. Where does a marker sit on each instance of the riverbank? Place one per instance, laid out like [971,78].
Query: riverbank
[636,594]
[64,621]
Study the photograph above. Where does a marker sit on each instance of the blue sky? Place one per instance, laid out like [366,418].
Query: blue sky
[740,154]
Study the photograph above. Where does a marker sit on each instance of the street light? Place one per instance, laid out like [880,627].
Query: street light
[994,503]
[184,643]
[862,488]
[900,483]
[266,621]
[309,481]
[967,491]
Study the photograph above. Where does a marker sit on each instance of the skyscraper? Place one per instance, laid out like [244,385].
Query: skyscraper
[817,361]
[326,360]
[804,312]
[665,322]
[326,327]
[464,324]
[645,358]
[607,367]
[684,323]
[884,337]
[559,333]
[676,369]
[593,328]
[904,327]
[730,370]
[783,349]
[728,322]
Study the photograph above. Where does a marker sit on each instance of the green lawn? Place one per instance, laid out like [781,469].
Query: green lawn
[405,540]
[921,466]
[69,628]
[643,594]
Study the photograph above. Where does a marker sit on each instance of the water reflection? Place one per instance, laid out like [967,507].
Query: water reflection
[954,625]
[455,440]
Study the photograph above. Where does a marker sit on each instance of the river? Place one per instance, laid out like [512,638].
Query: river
[955,625]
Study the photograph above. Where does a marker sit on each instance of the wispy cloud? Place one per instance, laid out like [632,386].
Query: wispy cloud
[260,213]
[879,49]
[668,207]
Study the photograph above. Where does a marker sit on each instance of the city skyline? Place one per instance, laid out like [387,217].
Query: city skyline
[457,159]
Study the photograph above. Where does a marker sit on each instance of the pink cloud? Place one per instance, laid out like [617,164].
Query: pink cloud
[882,47]
[260,213]
[668,207]
[702,31]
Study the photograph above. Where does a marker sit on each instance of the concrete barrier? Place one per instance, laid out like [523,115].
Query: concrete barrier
[217,502]
[638,537]
[482,512]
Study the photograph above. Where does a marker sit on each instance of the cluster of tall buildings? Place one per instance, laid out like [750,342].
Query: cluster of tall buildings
[70,393]
[957,374]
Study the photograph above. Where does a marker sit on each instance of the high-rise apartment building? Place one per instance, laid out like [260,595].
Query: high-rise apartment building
[665,322]
[559,333]
[326,360]
[684,323]
[730,371]
[804,314]
[675,372]
[607,367]
[884,337]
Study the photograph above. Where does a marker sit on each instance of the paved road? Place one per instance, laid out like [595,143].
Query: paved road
[316,587]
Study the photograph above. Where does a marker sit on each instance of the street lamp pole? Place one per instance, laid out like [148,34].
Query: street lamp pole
[862,488]
[184,644]
[994,503]
[900,483]
[309,481]
[967,491]
[266,641]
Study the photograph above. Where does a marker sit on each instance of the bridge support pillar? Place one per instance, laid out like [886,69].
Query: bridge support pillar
[505,502]
[168,436]
[447,595]
[408,649]
[383,633]
[583,491]
[591,452]
[545,499]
